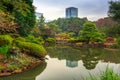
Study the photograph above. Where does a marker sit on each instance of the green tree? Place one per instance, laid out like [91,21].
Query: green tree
[43,27]
[41,22]
[22,13]
[25,16]
[114,10]
[7,24]
[113,31]
[89,32]
[114,13]
[54,29]
[70,24]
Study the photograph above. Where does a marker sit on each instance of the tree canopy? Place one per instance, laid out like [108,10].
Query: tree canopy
[114,10]
[20,12]
[89,32]
[41,22]
[69,24]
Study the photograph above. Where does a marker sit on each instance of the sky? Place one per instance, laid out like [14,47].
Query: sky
[53,9]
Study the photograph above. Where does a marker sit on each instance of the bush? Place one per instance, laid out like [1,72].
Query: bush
[4,50]
[32,39]
[74,40]
[31,48]
[50,40]
[118,41]
[14,35]
[5,40]
[21,39]
[40,40]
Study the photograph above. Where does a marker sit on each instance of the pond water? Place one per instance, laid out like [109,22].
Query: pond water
[66,63]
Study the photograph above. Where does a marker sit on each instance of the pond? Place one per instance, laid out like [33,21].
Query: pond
[66,63]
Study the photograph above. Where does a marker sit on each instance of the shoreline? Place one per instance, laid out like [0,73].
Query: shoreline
[17,71]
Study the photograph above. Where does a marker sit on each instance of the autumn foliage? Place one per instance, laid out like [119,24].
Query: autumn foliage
[7,24]
[103,22]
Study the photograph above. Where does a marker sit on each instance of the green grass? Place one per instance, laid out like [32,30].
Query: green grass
[107,75]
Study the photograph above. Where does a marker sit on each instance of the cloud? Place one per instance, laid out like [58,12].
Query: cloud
[53,9]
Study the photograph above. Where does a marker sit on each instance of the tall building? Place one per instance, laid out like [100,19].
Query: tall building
[71,12]
[38,15]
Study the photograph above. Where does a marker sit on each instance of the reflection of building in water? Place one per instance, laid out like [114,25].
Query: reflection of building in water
[71,64]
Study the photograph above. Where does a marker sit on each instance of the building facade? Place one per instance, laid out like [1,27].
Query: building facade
[71,12]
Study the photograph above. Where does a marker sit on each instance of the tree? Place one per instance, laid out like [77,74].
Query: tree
[24,16]
[89,32]
[7,24]
[70,24]
[114,10]
[105,22]
[113,31]
[43,27]
[22,13]
[114,13]
[41,22]
[54,29]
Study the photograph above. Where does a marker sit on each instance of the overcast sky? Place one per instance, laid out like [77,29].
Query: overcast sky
[53,9]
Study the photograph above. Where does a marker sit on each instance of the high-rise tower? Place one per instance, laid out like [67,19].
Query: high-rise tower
[71,12]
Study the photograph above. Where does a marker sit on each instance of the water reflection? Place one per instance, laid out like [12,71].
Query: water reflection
[71,64]
[112,56]
[72,56]
[66,63]
[90,57]
[27,75]
[64,53]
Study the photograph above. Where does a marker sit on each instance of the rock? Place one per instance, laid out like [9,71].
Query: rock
[24,68]
[18,71]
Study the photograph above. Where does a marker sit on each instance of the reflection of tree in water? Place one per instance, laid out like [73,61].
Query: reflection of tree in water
[112,56]
[72,56]
[66,53]
[27,75]
[90,58]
